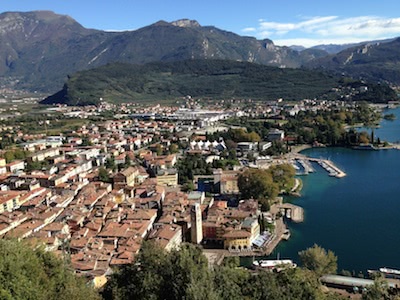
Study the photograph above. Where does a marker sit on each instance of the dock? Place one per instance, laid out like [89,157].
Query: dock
[328,165]
[293,212]
[306,165]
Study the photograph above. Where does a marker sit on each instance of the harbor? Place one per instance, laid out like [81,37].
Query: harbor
[306,164]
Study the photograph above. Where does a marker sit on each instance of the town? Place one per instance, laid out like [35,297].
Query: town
[94,193]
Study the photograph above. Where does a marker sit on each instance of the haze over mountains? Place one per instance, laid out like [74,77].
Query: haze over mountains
[39,49]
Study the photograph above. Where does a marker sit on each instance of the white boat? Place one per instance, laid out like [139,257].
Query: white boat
[275,264]
[389,272]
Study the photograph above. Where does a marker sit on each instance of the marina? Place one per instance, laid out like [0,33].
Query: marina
[305,163]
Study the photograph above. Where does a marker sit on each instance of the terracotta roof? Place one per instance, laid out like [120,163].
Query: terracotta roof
[237,234]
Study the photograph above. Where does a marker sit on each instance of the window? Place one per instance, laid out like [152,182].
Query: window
[5,206]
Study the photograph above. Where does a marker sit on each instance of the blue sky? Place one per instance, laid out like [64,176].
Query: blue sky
[286,22]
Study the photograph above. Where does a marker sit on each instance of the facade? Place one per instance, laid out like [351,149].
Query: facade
[276,135]
[9,200]
[167,177]
[125,178]
[237,240]
[226,182]
[43,154]
[15,166]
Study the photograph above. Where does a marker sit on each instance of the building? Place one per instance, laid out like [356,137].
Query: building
[167,177]
[276,135]
[226,182]
[3,168]
[245,147]
[168,236]
[125,178]
[15,166]
[237,240]
[43,154]
[9,200]
[196,224]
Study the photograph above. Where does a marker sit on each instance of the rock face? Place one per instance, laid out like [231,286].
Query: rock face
[186,23]
[40,49]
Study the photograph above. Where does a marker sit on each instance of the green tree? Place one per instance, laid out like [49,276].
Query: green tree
[379,290]
[36,274]
[128,161]
[179,274]
[229,282]
[173,148]
[86,141]
[110,163]
[319,260]
[103,175]
[283,175]
[9,156]
[257,184]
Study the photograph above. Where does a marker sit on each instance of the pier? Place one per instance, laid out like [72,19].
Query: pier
[293,212]
[328,165]
[306,165]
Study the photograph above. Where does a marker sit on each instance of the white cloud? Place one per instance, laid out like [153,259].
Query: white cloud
[313,42]
[329,28]
[249,29]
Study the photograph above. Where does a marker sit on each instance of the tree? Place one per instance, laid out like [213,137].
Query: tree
[103,175]
[184,274]
[257,184]
[378,290]
[86,141]
[156,274]
[363,138]
[110,163]
[283,175]
[36,274]
[128,161]
[319,260]
[173,148]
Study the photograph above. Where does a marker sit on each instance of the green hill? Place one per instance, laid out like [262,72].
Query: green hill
[217,79]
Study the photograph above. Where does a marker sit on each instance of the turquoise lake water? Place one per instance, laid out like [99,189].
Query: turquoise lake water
[358,216]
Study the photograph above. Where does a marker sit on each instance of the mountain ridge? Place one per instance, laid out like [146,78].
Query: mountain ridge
[379,62]
[41,48]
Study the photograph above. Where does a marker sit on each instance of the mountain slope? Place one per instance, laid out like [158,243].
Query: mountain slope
[217,79]
[375,62]
[39,49]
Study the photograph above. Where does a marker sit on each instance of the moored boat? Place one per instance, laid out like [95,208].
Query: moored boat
[275,264]
[390,272]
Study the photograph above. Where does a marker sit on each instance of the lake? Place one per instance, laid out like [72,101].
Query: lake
[358,216]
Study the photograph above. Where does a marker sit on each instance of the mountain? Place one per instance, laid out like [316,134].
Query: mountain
[333,48]
[39,49]
[336,48]
[217,79]
[297,47]
[378,62]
